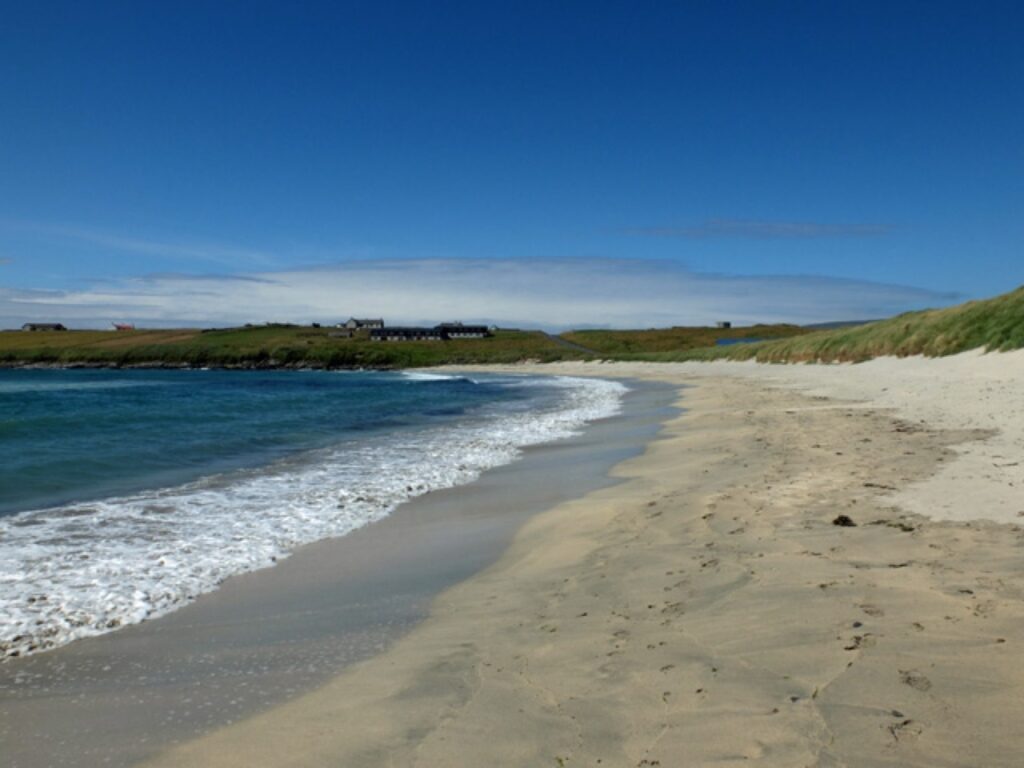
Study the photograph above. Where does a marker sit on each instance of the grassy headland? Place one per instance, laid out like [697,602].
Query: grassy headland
[272,346]
[992,324]
[276,346]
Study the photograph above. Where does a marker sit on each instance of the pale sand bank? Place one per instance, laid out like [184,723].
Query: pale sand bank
[707,611]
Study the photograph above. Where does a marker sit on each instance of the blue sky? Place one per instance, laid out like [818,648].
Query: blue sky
[529,163]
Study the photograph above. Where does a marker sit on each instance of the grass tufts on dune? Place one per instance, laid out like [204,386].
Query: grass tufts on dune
[995,324]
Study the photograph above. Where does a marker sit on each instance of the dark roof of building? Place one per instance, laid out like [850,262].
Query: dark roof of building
[399,329]
[46,326]
[444,330]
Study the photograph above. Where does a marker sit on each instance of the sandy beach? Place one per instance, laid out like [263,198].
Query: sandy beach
[709,610]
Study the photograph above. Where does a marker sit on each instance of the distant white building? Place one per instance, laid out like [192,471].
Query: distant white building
[356,324]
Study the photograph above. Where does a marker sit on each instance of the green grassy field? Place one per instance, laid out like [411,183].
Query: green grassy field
[267,346]
[282,345]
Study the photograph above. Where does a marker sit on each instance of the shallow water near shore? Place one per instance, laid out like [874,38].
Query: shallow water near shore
[265,637]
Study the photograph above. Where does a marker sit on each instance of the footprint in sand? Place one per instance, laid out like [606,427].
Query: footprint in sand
[915,680]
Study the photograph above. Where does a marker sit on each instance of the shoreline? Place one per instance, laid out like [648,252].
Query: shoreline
[82,558]
[713,607]
[267,636]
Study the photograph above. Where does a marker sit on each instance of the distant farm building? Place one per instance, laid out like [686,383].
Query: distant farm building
[442,332]
[124,326]
[358,324]
[399,333]
[43,327]
[460,331]
[724,324]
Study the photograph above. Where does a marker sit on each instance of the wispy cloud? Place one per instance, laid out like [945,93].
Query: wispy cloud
[186,250]
[764,230]
[186,278]
[550,294]
[5,261]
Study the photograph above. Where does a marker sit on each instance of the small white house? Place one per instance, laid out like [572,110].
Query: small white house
[356,323]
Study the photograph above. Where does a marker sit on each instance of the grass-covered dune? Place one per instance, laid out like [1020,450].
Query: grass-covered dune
[992,324]
[266,346]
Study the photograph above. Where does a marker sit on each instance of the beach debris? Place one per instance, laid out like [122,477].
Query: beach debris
[900,729]
[844,521]
[905,527]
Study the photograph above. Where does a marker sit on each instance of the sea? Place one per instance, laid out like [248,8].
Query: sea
[126,494]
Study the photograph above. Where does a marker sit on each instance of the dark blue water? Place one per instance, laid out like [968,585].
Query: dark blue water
[730,342]
[75,435]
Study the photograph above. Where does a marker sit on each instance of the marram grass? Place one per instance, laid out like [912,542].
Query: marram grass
[992,324]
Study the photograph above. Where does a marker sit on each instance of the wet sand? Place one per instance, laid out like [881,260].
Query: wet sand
[776,581]
[265,638]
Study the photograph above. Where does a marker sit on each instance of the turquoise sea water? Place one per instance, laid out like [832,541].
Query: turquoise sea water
[74,435]
[124,494]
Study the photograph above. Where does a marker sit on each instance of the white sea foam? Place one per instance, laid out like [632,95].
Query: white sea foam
[424,376]
[88,568]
